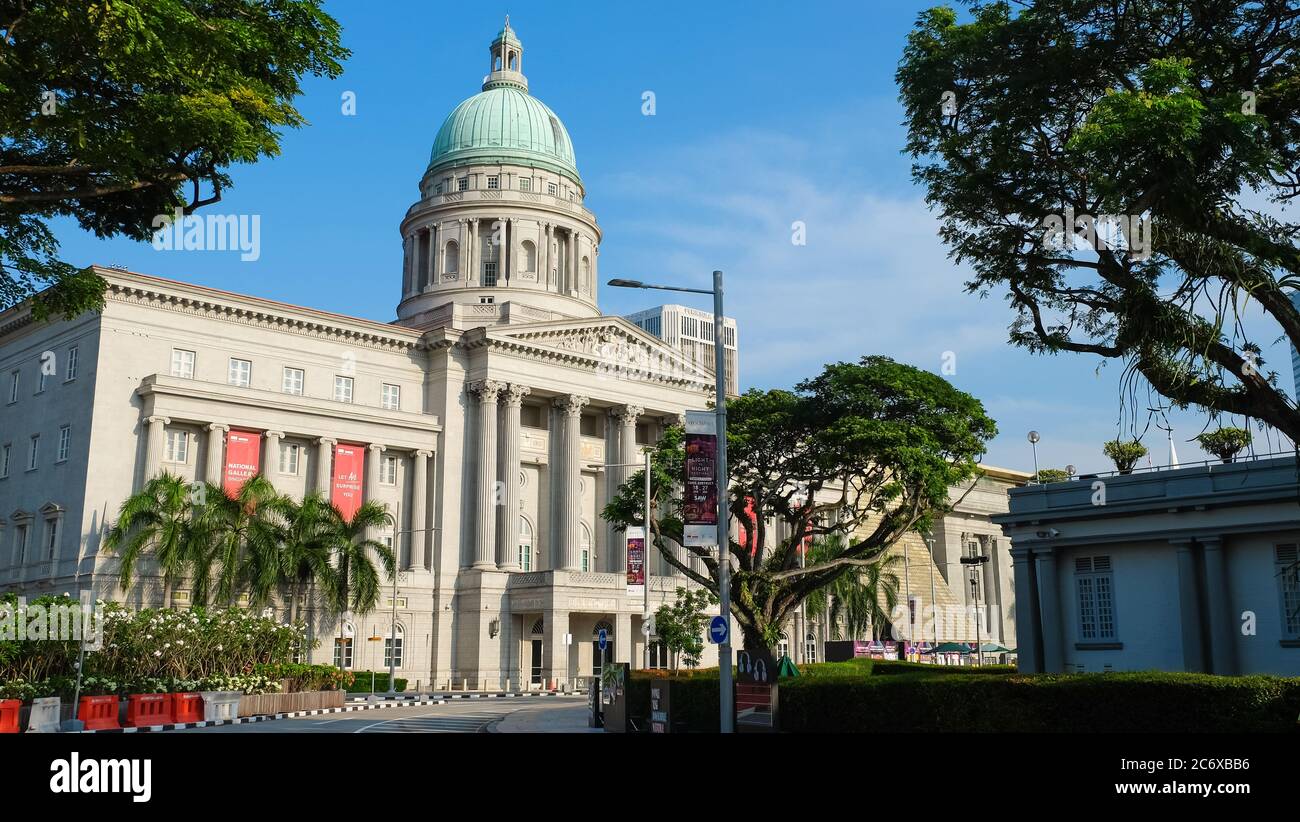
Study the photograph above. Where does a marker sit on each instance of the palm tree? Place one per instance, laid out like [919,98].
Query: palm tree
[862,600]
[356,580]
[306,549]
[158,521]
[242,535]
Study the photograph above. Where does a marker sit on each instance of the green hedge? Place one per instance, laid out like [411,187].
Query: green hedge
[695,699]
[361,683]
[1076,703]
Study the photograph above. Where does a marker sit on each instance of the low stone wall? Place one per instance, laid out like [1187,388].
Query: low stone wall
[256,704]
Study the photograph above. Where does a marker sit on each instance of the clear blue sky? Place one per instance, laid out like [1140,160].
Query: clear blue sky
[767,113]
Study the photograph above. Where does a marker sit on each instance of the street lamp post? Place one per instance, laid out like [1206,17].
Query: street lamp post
[726,694]
[396,519]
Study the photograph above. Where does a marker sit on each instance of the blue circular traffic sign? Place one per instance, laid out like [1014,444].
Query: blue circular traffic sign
[718,630]
[604,638]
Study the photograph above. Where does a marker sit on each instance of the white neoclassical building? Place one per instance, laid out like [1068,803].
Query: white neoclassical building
[484,416]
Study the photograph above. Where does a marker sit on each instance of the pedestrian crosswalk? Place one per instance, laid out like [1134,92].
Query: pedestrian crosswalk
[449,724]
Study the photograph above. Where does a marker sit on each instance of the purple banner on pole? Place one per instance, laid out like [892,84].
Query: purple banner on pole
[700,497]
[636,560]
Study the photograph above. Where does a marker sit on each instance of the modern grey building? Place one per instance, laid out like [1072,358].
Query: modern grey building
[690,331]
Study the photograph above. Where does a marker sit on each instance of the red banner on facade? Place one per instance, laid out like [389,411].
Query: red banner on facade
[349,472]
[243,459]
[742,527]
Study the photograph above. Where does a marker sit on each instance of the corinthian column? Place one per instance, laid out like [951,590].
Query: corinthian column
[216,439]
[419,501]
[324,461]
[153,452]
[271,451]
[509,523]
[565,484]
[485,549]
[625,416]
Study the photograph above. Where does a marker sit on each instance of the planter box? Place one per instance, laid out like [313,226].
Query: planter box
[218,705]
[45,714]
[259,704]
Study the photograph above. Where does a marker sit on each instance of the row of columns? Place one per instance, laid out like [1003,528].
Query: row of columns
[559,256]
[1040,629]
[214,466]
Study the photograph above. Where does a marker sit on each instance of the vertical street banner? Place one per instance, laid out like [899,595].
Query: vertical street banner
[349,472]
[636,561]
[700,497]
[243,459]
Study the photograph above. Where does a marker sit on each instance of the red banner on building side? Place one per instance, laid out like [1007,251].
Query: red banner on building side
[243,459]
[349,473]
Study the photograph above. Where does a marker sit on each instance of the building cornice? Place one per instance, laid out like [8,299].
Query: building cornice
[131,288]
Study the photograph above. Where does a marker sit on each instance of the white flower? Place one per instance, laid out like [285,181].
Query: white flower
[157,653]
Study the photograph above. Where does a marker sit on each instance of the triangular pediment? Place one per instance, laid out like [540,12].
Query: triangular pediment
[611,343]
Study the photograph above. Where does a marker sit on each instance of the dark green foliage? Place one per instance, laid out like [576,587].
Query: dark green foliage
[361,683]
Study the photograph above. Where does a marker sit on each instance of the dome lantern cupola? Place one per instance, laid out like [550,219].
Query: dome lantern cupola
[506,70]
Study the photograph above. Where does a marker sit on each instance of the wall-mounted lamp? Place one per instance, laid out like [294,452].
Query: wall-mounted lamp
[494,628]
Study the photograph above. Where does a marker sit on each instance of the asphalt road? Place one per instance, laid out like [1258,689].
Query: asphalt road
[456,716]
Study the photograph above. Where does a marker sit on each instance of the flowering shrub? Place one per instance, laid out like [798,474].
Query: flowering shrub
[166,650]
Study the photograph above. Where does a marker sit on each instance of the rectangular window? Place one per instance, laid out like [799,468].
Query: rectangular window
[4,459]
[182,363]
[13,387]
[342,652]
[240,373]
[551,189]
[178,446]
[65,442]
[388,471]
[493,181]
[51,537]
[40,380]
[1288,580]
[342,389]
[525,183]
[525,557]
[20,543]
[437,189]
[392,396]
[1094,585]
[586,559]
[290,455]
[33,449]
[390,658]
[462,184]
[293,381]
[70,372]
[490,273]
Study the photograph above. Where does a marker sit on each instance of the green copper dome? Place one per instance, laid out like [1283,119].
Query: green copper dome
[505,125]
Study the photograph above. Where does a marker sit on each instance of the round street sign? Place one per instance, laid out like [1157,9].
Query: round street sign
[718,630]
[604,639]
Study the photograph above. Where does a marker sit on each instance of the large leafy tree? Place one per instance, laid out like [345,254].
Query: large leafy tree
[864,451]
[113,113]
[356,579]
[306,550]
[1183,113]
[239,539]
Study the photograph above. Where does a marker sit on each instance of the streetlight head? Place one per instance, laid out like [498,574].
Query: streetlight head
[1033,436]
[618,283]
[1071,470]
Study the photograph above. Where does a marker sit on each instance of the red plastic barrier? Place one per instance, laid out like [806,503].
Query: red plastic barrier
[187,708]
[99,713]
[143,710]
[9,709]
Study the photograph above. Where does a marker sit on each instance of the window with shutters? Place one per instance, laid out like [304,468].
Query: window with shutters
[1288,581]
[1094,585]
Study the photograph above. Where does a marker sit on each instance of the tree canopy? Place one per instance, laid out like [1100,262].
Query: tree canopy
[865,452]
[1109,165]
[115,113]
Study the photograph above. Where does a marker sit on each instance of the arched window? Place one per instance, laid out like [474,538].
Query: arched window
[810,648]
[393,647]
[586,274]
[585,545]
[783,647]
[491,253]
[514,61]
[529,261]
[538,627]
[604,623]
[525,545]
[451,257]
[343,647]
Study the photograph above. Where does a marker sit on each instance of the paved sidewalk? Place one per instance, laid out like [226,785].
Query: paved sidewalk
[551,719]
